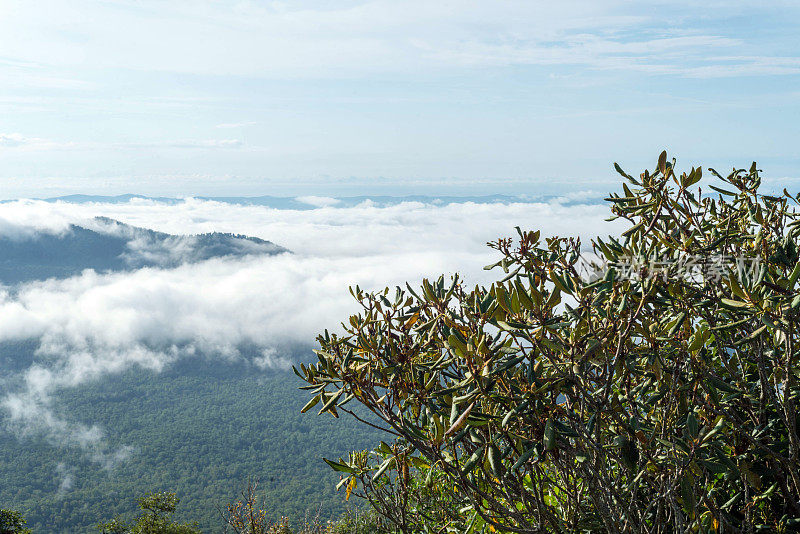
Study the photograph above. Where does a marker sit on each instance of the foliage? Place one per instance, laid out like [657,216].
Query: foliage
[156,518]
[245,517]
[12,522]
[354,522]
[646,400]
[415,493]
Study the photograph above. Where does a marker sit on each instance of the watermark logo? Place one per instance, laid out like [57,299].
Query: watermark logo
[691,267]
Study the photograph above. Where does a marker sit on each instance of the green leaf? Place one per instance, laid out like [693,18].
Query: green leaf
[623,173]
[472,523]
[695,176]
[691,424]
[310,404]
[697,340]
[336,466]
[470,463]
[549,438]
[724,386]
[524,458]
[723,191]
[521,406]
[734,303]
[331,401]
[687,494]
[677,324]
[630,231]
[794,276]
[495,461]
[753,335]
[382,469]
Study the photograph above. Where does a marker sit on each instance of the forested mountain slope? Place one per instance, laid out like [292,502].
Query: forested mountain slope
[104,244]
[199,427]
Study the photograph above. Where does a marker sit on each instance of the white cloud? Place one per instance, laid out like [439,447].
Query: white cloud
[93,325]
[319,202]
[66,475]
[13,140]
[23,142]
[269,359]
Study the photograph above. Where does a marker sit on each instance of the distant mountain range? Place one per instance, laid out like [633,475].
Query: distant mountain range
[310,202]
[104,244]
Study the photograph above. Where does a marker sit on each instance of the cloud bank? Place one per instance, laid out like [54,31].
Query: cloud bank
[255,308]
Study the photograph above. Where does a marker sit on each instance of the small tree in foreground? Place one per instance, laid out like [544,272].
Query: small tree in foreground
[244,516]
[658,398]
[12,522]
[155,518]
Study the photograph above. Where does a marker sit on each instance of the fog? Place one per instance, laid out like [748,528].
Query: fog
[97,324]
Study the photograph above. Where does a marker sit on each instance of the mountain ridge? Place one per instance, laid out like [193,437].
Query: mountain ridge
[107,245]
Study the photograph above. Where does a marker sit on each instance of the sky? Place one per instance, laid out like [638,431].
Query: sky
[368,97]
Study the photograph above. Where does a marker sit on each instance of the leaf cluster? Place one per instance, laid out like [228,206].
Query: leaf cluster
[12,522]
[155,518]
[553,401]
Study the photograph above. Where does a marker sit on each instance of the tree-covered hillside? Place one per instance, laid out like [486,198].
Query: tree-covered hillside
[199,429]
[104,244]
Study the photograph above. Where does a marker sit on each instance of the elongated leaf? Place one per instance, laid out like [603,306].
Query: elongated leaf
[461,421]
[337,466]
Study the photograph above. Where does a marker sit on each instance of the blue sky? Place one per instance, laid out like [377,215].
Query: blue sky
[378,97]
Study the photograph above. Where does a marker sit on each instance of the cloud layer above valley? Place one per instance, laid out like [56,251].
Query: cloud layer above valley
[96,324]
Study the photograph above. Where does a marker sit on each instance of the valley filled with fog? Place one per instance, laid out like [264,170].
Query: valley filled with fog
[215,300]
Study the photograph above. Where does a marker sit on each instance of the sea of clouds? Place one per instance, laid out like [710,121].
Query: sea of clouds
[96,324]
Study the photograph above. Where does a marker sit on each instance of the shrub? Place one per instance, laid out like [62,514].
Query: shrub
[156,518]
[659,397]
[12,522]
[244,516]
